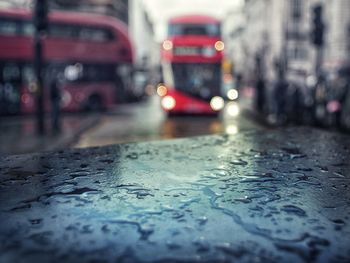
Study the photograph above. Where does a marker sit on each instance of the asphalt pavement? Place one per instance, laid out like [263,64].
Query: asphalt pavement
[18,134]
[253,196]
[134,122]
[146,121]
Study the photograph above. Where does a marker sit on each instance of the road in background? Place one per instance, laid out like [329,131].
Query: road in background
[134,122]
[146,121]
[18,134]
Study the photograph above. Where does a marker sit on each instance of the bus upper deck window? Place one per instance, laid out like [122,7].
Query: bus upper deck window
[8,26]
[62,31]
[95,34]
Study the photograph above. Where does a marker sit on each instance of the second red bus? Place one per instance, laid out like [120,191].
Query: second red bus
[92,53]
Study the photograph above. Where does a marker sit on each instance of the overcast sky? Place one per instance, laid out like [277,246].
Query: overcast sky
[161,10]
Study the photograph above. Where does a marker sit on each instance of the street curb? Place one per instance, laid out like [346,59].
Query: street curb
[257,117]
[68,139]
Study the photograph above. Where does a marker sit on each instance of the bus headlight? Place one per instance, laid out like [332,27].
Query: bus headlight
[217,103]
[168,103]
[232,94]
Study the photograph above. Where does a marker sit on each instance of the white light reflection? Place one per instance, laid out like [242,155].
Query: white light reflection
[232,109]
[231,129]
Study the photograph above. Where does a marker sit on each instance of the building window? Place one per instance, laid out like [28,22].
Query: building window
[298,53]
[296,9]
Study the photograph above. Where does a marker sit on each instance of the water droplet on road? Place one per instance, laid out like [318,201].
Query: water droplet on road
[292,209]
[239,162]
[132,156]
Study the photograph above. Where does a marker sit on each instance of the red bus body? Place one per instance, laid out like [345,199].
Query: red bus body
[93,41]
[193,53]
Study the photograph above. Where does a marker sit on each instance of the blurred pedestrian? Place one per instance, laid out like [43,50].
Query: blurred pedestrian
[55,96]
[345,108]
[239,78]
[260,84]
[260,91]
[280,95]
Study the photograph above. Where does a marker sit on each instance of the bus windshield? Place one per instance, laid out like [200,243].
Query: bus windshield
[199,80]
[194,29]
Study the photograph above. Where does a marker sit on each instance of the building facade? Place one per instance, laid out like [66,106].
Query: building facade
[147,51]
[277,34]
[337,21]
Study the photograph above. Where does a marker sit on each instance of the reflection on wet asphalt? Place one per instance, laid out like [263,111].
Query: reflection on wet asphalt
[277,196]
[147,121]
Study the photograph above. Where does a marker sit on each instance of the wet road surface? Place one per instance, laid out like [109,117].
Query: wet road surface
[146,121]
[18,134]
[256,196]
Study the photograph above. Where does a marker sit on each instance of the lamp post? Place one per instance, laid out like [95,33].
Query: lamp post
[317,36]
[40,23]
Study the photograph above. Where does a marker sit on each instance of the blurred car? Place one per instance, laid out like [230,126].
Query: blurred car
[331,98]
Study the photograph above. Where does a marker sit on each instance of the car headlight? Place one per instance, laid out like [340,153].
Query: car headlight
[232,94]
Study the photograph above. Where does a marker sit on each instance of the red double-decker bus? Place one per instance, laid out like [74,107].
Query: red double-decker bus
[192,56]
[92,52]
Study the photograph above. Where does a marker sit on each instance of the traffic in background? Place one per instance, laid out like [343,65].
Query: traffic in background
[56,58]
